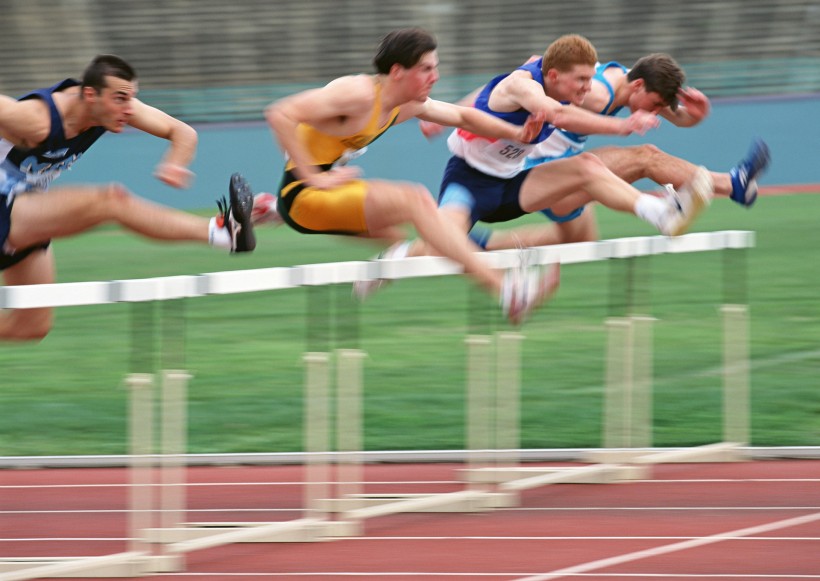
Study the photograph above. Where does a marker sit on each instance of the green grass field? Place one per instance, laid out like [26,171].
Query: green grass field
[66,394]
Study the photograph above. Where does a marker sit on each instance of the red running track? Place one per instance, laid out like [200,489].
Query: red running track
[708,522]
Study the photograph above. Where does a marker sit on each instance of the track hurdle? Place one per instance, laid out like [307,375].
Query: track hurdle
[347,500]
[627,434]
[278,278]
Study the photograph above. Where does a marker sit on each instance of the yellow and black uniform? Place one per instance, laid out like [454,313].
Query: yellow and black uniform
[338,210]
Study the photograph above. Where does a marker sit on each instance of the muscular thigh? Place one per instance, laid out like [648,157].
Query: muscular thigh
[36,268]
[624,162]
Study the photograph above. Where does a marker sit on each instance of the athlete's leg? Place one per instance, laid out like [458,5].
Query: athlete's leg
[61,212]
[565,184]
[648,161]
[28,324]
[584,228]
[389,204]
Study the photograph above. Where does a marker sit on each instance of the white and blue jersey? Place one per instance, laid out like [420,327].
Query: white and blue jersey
[562,143]
[484,174]
[502,158]
[25,170]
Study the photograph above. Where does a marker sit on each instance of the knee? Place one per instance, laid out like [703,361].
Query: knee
[114,195]
[419,199]
[589,165]
[27,324]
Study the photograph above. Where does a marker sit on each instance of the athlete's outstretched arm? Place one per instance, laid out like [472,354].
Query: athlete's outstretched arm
[478,122]
[173,169]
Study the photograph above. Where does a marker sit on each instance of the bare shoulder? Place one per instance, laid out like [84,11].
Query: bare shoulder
[24,123]
[354,88]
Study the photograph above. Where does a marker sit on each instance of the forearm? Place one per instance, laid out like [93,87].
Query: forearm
[182,149]
[580,121]
[481,123]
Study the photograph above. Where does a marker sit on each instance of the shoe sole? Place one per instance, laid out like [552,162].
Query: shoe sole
[700,188]
[241,200]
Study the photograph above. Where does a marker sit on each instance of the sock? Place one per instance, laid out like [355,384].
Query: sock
[480,236]
[651,209]
[218,236]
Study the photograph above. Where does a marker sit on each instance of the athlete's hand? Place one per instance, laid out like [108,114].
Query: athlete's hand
[531,128]
[174,175]
[696,103]
[430,129]
[333,178]
[640,122]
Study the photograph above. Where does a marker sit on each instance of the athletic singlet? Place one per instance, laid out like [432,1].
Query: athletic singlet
[566,143]
[328,150]
[500,158]
[22,170]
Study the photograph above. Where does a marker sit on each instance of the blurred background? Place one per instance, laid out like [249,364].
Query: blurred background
[210,60]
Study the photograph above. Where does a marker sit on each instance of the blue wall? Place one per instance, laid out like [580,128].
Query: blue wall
[789,126]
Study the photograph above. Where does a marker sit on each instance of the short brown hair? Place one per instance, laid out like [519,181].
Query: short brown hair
[405,47]
[106,65]
[568,51]
[660,74]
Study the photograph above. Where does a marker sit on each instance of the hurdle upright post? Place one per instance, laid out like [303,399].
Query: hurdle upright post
[349,422]
[479,400]
[736,369]
[141,459]
[508,398]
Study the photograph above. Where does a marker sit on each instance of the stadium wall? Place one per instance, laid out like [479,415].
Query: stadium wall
[404,154]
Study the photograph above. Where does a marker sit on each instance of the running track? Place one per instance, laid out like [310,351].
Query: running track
[707,522]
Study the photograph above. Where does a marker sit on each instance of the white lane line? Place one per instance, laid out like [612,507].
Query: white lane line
[654,552]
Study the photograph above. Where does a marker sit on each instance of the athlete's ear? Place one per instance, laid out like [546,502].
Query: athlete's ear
[396,70]
[637,84]
[89,93]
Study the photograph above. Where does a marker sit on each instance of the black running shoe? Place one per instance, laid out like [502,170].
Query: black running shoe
[237,216]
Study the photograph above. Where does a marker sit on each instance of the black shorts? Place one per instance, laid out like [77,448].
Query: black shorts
[6,259]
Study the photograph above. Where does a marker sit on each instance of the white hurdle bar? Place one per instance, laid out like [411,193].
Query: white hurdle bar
[239,281]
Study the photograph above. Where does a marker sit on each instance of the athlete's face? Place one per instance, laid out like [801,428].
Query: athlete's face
[421,77]
[572,85]
[113,106]
[643,100]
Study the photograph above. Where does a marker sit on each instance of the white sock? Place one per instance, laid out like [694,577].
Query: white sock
[651,209]
[218,236]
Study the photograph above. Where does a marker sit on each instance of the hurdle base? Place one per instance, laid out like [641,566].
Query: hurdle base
[361,506]
[118,565]
[603,474]
[296,531]
[719,452]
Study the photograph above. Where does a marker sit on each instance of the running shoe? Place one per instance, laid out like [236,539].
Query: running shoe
[363,289]
[687,203]
[744,174]
[525,288]
[236,216]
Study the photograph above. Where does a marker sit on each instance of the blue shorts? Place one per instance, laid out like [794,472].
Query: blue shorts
[489,199]
[6,259]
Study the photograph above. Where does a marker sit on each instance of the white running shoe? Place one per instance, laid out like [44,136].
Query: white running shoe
[686,204]
[363,289]
[265,211]
[525,288]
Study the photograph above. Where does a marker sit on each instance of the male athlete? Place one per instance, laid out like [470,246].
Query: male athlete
[653,84]
[44,133]
[487,180]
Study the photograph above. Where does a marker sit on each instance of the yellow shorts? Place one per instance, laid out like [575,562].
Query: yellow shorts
[314,211]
